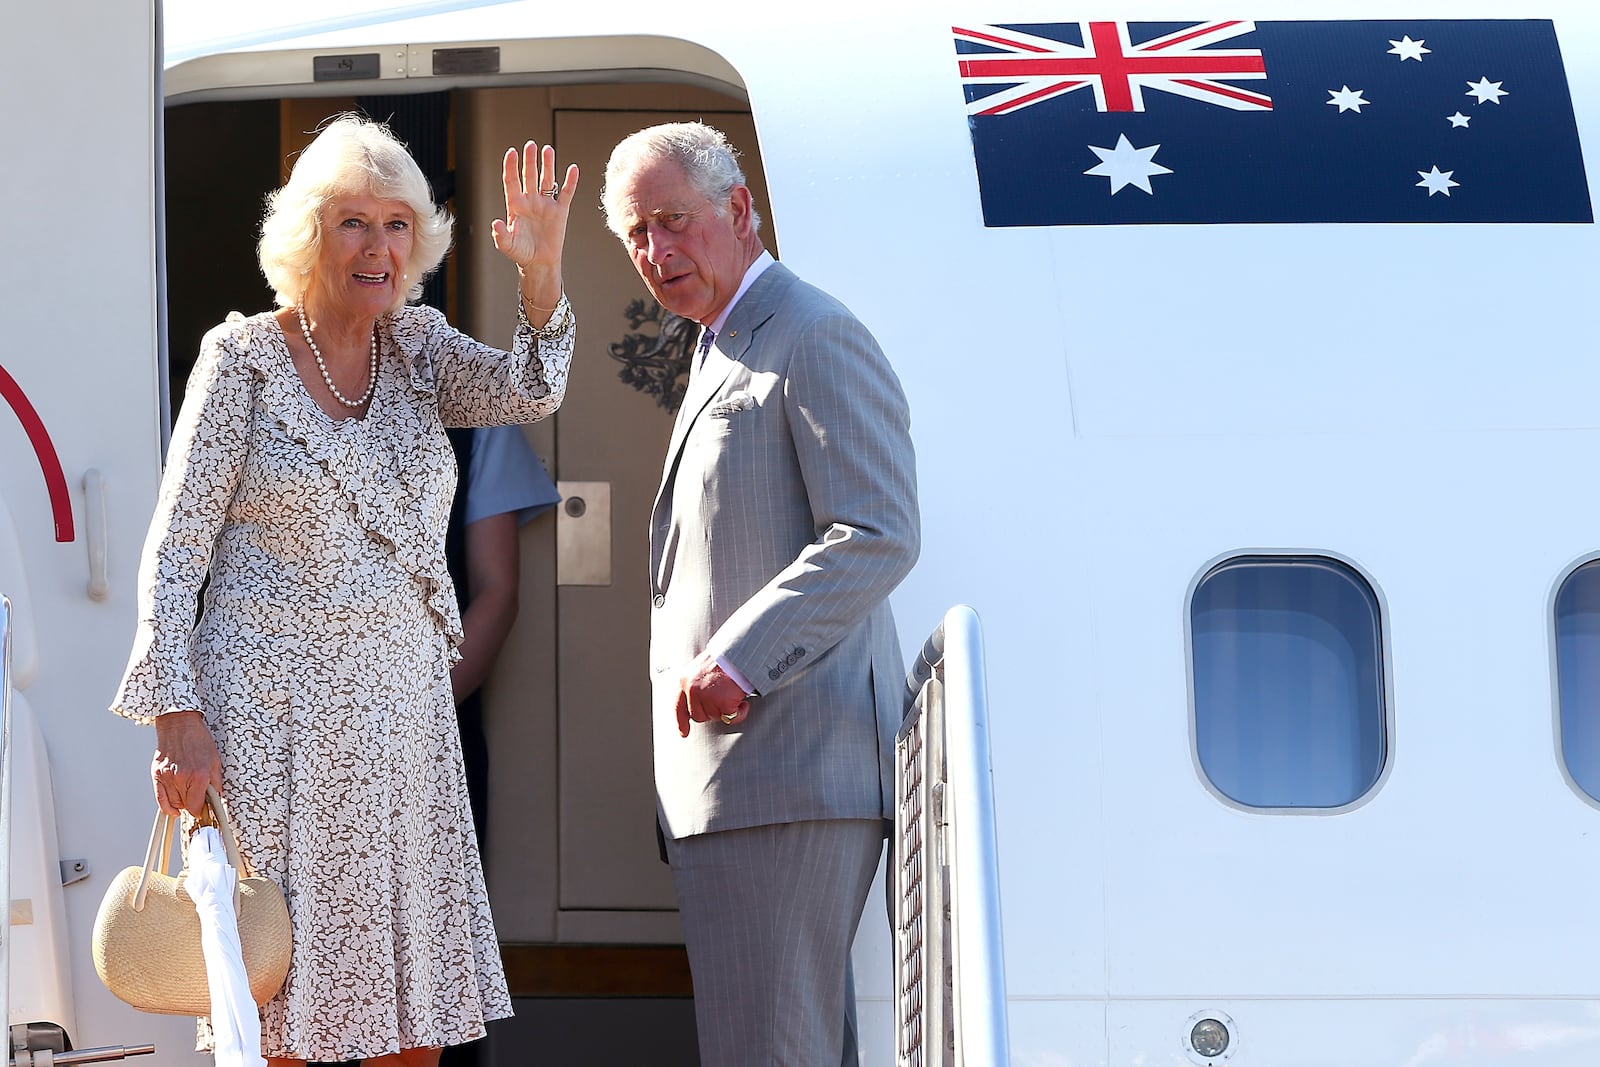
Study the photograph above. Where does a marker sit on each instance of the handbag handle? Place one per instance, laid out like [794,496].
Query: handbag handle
[159,853]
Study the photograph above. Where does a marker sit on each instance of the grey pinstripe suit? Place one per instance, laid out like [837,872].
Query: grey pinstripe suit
[787,514]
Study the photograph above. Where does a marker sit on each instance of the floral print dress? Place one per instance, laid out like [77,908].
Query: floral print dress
[322,663]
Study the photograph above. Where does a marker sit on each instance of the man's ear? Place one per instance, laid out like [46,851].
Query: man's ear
[742,207]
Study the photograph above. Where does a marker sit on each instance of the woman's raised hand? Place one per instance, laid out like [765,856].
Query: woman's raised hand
[535,227]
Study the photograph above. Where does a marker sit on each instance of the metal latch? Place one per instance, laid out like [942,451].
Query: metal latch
[74,871]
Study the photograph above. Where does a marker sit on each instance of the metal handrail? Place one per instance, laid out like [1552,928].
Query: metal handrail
[5,811]
[950,992]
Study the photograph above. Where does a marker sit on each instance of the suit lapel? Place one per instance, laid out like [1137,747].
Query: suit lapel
[751,312]
[703,385]
[730,349]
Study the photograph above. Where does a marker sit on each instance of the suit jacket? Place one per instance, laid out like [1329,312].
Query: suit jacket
[787,513]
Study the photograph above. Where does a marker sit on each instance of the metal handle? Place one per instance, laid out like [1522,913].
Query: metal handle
[46,1058]
[94,511]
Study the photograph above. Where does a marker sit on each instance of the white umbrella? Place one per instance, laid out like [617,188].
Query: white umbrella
[235,1020]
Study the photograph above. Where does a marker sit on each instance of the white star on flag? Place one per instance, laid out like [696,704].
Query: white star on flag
[1458,120]
[1437,181]
[1406,49]
[1486,91]
[1127,165]
[1348,99]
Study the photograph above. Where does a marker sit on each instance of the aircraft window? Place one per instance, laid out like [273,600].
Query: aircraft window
[1287,661]
[1578,675]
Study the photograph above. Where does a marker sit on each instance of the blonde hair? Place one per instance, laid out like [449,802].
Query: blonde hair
[351,156]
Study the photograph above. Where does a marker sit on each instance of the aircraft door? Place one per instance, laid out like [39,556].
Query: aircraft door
[80,435]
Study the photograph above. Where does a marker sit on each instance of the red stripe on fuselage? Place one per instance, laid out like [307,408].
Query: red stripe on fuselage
[49,463]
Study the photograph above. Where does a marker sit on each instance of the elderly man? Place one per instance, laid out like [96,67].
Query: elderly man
[787,513]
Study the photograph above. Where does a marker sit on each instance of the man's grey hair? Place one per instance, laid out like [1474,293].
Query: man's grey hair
[711,163]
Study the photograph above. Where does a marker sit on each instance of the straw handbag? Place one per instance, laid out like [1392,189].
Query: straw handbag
[147,934]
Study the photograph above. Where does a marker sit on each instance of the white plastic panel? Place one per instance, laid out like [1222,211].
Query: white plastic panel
[41,975]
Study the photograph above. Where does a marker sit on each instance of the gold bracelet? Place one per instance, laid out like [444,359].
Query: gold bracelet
[556,326]
[536,307]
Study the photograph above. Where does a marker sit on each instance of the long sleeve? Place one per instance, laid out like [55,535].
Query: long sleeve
[480,385]
[204,461]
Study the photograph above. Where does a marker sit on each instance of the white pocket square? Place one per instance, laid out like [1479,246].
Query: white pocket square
[731,405]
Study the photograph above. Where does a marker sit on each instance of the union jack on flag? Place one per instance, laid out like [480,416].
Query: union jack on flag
[1032,69]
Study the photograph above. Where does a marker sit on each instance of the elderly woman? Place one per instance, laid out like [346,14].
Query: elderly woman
[310,478]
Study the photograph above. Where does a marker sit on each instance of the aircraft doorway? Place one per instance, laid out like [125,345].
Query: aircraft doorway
[583,905]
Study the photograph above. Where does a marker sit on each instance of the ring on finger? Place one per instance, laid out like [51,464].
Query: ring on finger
[554,192]
[730,717]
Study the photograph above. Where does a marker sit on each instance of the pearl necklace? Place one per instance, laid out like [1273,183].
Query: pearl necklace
[316,353]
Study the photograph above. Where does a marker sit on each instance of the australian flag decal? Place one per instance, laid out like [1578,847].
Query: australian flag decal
[1116,123]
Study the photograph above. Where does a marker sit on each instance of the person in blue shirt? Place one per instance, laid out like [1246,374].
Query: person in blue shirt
[503,487]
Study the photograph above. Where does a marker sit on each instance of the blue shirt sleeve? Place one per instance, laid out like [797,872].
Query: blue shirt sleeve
[505,475]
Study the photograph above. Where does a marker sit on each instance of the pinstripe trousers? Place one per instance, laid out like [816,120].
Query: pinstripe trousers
[769,914]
